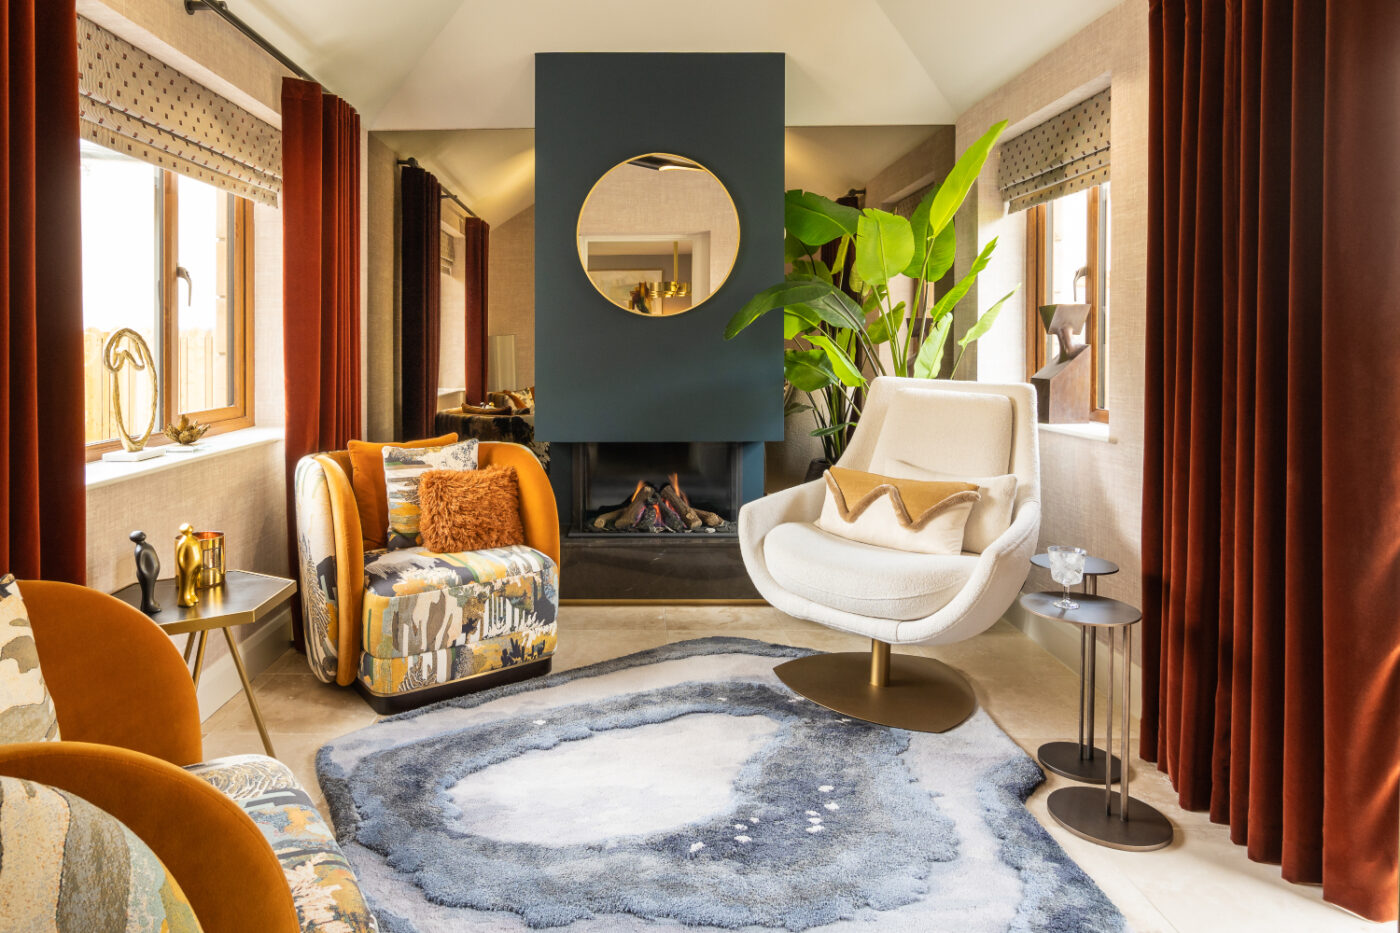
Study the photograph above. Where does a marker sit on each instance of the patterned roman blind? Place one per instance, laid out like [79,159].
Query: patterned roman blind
[1066,153]
[138,105]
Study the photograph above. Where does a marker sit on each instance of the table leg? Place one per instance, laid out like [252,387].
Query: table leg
[1084,751]
[248,689]
[189,643]
[1108,737]
[1123,751]
[1092,583]
[199,657]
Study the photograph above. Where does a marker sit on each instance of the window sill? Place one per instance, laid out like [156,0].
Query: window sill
[101,473]
[1092,431]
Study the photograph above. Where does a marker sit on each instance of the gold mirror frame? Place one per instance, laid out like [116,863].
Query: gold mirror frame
[664,288]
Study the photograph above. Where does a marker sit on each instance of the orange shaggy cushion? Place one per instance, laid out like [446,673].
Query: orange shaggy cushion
[470,510]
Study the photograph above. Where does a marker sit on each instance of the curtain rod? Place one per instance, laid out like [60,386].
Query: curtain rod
[446,195]
[221,7]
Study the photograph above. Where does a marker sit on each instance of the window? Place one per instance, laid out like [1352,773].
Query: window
[170,258]
[1068,261]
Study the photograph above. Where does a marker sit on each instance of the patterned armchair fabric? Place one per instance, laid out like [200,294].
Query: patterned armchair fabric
[317,568]
[423,620]
[327,896]
[435,618]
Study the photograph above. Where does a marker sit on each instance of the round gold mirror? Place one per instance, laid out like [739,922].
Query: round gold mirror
[658,234]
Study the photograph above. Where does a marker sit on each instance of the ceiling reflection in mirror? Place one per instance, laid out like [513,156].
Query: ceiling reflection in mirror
[658,234]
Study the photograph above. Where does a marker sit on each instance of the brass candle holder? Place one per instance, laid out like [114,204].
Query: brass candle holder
[211,558]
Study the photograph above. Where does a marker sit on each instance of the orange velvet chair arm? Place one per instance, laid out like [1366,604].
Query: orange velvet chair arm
[538,510]
[221,860]
[115,677]
[349,567]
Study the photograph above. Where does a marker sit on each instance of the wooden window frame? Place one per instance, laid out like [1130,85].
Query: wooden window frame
[220,420]
[1038,275]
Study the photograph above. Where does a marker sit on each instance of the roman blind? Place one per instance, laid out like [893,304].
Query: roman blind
[136,104]
[1067,153]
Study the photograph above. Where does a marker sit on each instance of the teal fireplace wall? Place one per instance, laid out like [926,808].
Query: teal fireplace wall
[602,373]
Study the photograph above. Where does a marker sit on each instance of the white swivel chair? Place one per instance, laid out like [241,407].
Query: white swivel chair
[909,428]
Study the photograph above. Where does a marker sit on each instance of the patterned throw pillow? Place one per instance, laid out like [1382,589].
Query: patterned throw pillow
[403,467]
[69,866]
[26,709]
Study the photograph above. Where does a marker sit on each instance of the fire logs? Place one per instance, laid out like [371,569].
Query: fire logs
[665,510]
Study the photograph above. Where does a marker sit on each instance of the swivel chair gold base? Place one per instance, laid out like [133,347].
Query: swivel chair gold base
[902,691]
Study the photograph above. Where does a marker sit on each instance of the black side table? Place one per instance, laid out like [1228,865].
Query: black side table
[1124,822]
[1081,761]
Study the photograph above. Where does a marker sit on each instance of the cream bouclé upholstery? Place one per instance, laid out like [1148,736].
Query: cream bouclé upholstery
[951,428]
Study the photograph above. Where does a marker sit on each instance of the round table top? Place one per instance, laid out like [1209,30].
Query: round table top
[1093,566]
[1093,610]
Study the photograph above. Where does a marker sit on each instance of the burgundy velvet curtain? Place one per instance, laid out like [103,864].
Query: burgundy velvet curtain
[320,276]
[42,497]
[1271,504]
[476,255]
[420,290]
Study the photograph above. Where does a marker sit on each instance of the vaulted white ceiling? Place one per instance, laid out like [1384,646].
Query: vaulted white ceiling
[457,64]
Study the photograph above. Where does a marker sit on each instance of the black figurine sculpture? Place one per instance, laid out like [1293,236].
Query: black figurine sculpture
[147,570]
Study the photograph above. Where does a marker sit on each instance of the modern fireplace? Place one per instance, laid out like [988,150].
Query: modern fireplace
[641,490]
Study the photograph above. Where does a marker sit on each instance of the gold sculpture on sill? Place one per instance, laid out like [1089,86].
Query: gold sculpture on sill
[114,359]
[186,431]
[188,562]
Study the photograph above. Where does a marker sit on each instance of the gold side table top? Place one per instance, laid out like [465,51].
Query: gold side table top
[243,598]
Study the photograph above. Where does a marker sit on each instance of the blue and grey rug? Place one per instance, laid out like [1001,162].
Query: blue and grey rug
[687,786]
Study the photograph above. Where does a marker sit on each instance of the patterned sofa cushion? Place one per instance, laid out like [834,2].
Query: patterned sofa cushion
[69,866]
[323,884]
[26,710]
[435,618]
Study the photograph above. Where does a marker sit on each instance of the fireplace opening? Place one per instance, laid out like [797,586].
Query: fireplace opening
[687,490]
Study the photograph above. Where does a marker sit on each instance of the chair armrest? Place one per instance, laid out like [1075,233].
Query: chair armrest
[112,673]
[799,504]
[539,513]
[221,860]
[350,569]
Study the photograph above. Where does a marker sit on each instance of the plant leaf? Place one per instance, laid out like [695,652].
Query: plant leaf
[808,370]
[985,322]
[805,291]
[841,364]
[886,326]
[831,429]
[816,220]
[955,294]
[929,363]
[797,320]
[933,250]
[884,246]
[795,408]
[951,194]
[810,269]
[793,248]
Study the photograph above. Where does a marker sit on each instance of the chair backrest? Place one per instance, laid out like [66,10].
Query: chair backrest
[971,429]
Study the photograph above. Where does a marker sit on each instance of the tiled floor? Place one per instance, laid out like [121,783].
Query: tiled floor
[1202,882]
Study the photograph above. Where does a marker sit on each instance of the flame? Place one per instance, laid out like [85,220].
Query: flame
[675,479]
[641,484]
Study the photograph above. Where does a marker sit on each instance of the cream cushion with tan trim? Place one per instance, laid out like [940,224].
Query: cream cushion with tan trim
[990,516]
[904,514]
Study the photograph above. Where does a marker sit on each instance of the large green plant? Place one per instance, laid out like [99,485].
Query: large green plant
[838,318]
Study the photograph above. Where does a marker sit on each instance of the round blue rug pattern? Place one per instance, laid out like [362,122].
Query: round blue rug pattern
[722,801]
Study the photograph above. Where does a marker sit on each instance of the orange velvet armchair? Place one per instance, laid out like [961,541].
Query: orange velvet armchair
[129,720]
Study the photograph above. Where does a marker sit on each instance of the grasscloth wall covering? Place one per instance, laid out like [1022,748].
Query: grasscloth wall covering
[138,105]
[41,305]
[1271,493]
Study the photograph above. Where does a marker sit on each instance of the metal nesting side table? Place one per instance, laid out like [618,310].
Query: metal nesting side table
[1081,761]
[1124,823]
[243,598]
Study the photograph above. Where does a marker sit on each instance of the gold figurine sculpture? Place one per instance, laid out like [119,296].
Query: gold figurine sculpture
[114,358]
[188,561]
